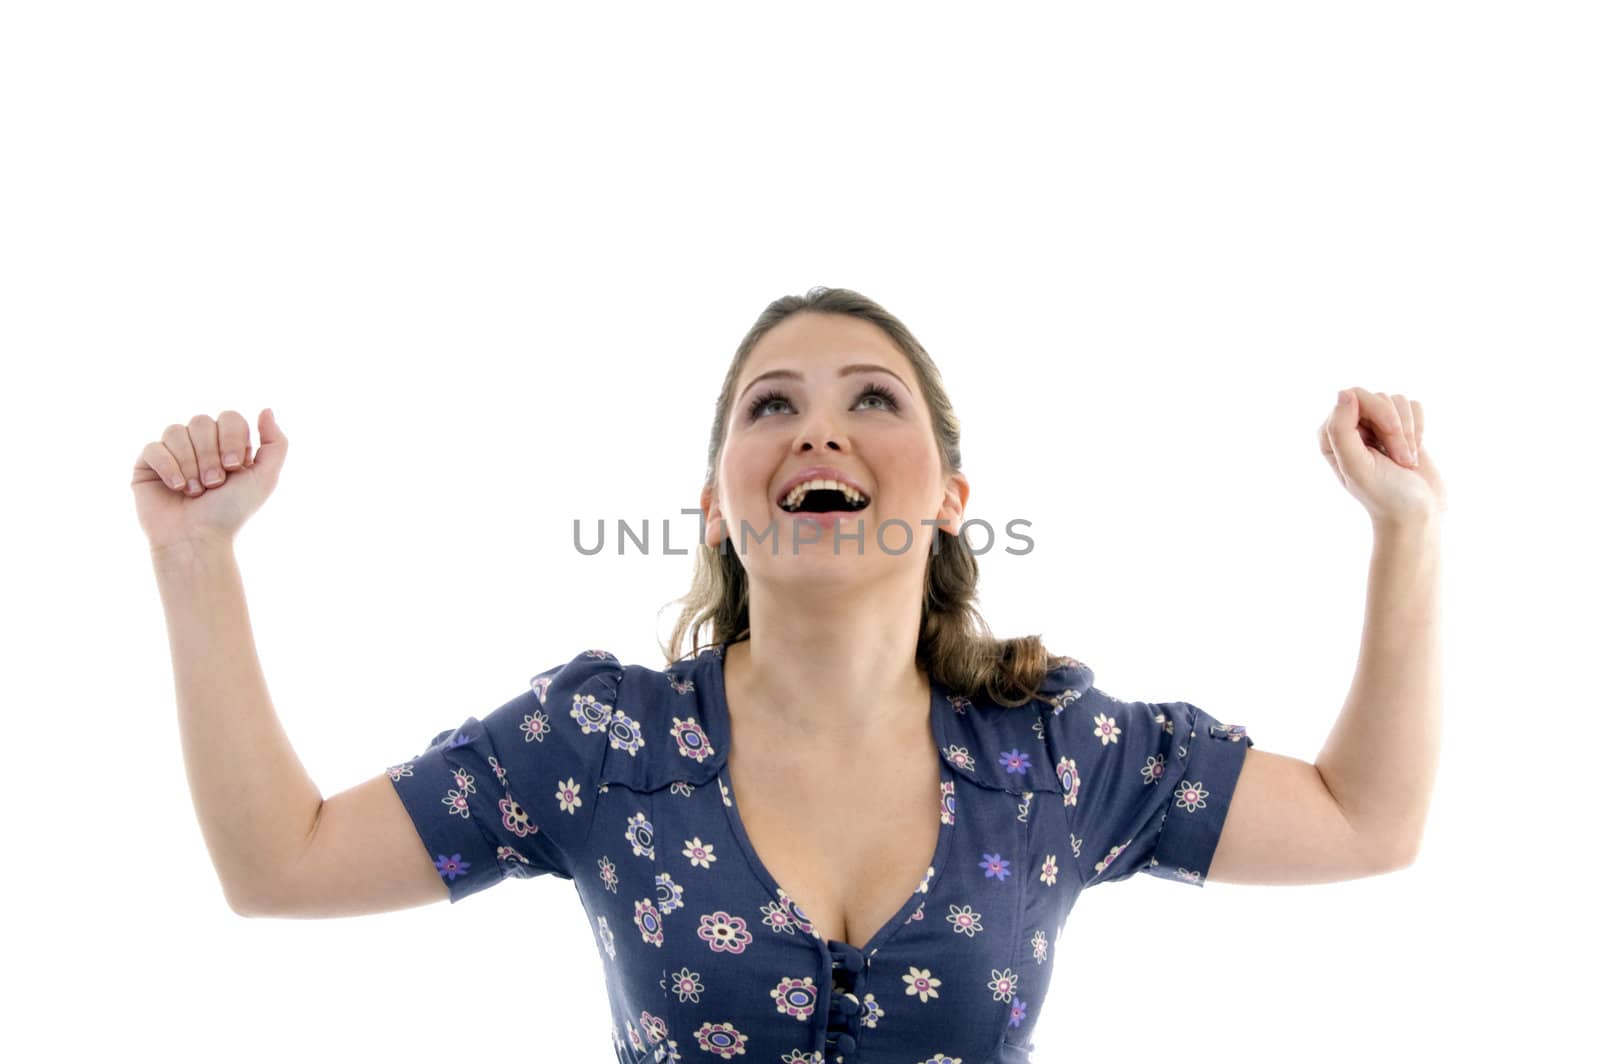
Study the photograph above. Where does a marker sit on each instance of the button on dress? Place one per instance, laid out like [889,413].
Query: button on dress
[615,777]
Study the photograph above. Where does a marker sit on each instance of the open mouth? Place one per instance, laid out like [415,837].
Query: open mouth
[824,501]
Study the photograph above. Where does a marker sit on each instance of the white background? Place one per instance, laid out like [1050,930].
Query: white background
[488,264]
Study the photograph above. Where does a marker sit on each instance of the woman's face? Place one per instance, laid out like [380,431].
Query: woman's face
[821,408]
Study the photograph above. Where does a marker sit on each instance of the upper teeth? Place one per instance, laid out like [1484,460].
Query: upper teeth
[799,491]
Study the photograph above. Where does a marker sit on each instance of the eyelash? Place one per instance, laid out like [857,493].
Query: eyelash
[753,411]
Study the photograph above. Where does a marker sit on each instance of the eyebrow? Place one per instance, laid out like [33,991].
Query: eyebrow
[844,371]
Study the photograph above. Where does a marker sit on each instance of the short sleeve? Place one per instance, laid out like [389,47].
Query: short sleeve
[1149,786]
[513,794]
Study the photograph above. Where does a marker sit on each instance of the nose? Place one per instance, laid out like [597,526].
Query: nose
[805,439]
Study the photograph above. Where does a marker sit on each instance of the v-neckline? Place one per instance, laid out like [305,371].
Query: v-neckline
[719,705]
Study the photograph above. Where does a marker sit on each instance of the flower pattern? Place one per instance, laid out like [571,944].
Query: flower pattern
[725,933]
[576,777]
[648,919]
[920,983]
[567,796]
[699,853]
[1192,796]
[688,985]
[535,726]
[722,1039]
[965,920]
[669,895]
[796,997]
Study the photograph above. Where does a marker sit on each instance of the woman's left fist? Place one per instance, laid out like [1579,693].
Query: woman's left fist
[1373,441]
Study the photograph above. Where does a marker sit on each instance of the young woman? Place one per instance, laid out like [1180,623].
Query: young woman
[852,824]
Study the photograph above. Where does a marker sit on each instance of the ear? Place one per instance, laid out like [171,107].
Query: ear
[713,516]
[955,502]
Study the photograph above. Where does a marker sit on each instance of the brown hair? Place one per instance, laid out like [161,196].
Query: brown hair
[954,646]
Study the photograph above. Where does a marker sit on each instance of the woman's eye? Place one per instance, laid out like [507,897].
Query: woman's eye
[759,406]
[882,394]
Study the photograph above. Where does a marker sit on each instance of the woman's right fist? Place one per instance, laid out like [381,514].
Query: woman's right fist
[200,481]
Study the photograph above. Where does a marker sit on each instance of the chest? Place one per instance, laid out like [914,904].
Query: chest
[849,845]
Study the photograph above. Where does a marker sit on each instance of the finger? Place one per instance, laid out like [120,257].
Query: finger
[1402,406]
[1396,442]
[176,440]
[1350,451]
[233,438]
[158,461]
[203,431]
[1379,412]
[1416,413]
[274,443]
[1326,443]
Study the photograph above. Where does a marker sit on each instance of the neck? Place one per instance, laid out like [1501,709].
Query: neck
[829,668]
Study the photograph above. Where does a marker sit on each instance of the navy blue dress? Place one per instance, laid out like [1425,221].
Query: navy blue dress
[615,777]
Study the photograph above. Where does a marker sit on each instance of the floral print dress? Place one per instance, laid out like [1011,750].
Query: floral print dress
[615,777]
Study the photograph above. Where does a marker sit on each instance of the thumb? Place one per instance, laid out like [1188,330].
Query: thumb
[274,444]
[1349,450]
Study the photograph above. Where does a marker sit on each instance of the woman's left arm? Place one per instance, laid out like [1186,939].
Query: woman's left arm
[1360,809]
[1382,755]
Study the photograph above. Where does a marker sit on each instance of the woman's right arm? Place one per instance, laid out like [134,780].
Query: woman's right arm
[255,802]
[278,848]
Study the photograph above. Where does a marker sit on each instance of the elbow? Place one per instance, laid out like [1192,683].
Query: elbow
[242,910]
[1399,858]
[246,905]
[1391,845]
